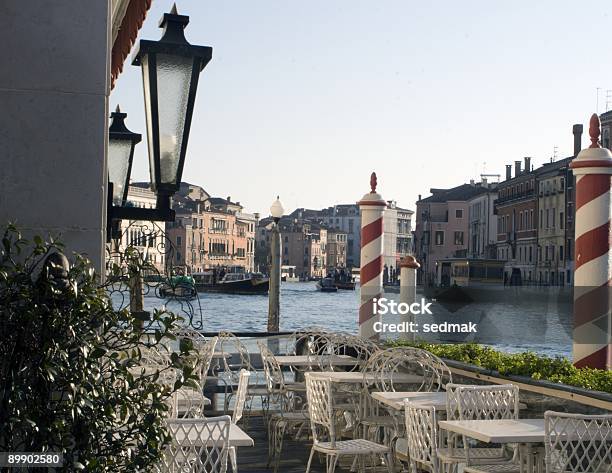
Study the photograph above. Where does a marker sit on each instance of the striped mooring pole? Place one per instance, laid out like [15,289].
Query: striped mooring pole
[372,207]
[408,268]
[593,258]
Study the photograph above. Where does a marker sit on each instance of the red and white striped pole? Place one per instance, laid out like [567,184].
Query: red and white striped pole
[372,207]
[593,258]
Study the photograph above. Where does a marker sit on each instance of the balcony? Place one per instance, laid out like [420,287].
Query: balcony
[514,198]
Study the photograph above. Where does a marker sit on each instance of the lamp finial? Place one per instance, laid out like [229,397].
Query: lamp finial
[594,131]
[117,109]
[373,183]
[174,11]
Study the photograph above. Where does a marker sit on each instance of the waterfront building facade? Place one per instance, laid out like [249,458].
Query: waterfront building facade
[517,210]
[210,232]
[442,229]
[404,233]
[555,211]
[146,237]
[482,229]
[336,249]
[346,218]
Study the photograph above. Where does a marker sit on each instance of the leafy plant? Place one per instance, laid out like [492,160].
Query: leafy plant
[69,377]
[554,369]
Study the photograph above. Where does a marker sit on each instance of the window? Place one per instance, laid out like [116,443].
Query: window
[178,241]
[439,238]
[458,238]
[561,253]
[554,216]
[458,213]
[530,257]
[561,220]
[531,224]
[541,218]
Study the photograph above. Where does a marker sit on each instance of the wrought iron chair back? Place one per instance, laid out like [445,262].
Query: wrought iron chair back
[197,445]
[489,402]
[407,369]
[350,345]
[230,343]
[422,435]
[241,394]
[578,443]
[320,409]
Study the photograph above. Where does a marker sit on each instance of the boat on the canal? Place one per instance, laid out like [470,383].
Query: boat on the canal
[326,285]
[177,287]
[347,285]
[231,283]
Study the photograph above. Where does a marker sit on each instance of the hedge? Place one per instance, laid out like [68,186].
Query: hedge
[555,369]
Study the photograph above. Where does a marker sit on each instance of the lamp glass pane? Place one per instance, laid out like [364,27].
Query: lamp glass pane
[148,112]
[173,83]
[118,158]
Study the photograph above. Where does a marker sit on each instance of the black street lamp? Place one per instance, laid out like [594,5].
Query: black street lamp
[121,144]
[170,71]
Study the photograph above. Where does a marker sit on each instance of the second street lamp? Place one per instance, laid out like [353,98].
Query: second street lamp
[121,144]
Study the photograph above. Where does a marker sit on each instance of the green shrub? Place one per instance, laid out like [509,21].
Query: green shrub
[530,364]
[65,358]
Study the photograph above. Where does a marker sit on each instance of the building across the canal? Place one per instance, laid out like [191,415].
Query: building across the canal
[442,227]
[210,232]
[318,241]
[526,222]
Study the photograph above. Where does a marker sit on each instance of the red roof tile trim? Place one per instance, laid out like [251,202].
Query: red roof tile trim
[128,31]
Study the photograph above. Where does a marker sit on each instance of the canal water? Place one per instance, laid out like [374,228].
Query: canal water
[512,320]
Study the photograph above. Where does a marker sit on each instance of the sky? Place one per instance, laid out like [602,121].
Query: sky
[305,99]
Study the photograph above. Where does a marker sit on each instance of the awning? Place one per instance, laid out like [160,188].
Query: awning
[133,19]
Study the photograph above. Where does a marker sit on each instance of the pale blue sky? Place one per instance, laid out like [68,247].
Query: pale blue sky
[305,99]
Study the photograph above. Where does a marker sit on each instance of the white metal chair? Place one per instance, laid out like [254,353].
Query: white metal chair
[578,443]
[288,416]
[489,402]
[422,437]
[235,358]
[197,445]
[323,423]
[241,394]
[191,401]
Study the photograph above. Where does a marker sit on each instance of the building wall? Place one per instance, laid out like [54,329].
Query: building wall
[347,218]
[554,264]
[54,87]
[207,239]
[404,233]
[482,230]
[517,210]
[336,249]
[148,238]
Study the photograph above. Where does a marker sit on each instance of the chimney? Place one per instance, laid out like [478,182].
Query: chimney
[577,130]
[527,163]
[229,198]
[508,172]
[419,196]
[517,168]
[484,182]
[471,182]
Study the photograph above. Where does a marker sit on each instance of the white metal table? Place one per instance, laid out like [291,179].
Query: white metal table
[395,400]
[237,438]
[525,432]
[356,377]
[308,361]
